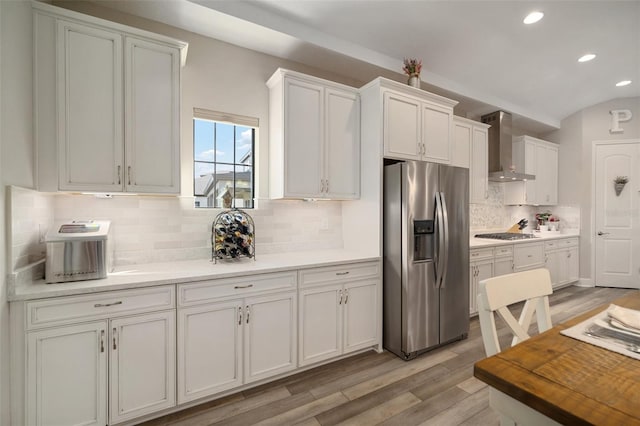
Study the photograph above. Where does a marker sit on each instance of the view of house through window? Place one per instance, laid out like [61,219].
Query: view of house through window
[223,161]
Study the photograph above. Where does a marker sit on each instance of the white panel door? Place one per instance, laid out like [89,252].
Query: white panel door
[142,365]
[402,138]
[209,349]
[270,330]
[320,315]
[67,375]
[342,143]
[360,310]
[479,185]
[90,119]
[152,111]
[437,127]
[304,135]
[617,222]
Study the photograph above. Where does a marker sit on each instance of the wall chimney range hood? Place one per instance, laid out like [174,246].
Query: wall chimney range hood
[501,168]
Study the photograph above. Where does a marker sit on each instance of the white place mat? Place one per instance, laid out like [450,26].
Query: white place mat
[577,332]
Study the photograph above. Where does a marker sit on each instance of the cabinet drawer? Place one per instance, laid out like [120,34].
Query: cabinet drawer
[207,291]
[552,245]
[73,309]
[483,253]
[528,256]
[569,242]
[336,274]
[503,251]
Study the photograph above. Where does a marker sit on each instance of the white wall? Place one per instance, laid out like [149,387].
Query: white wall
[576,137]
[16,146]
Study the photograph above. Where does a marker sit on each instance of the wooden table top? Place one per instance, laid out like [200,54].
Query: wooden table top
[567,380]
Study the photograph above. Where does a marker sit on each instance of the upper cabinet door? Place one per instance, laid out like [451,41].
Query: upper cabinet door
[342,144]
[402,138]
[90,116]
[152,111]
[303,133]
[437,125]
[479,187]
[461,156]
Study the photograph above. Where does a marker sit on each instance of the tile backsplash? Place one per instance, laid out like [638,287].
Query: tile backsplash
[158,229]
[494,215]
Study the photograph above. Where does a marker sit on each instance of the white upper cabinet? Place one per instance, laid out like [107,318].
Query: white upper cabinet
[471,150]
[152,124]
[113,109]
[416,125]
[539,158]
[314,138]
[90,108]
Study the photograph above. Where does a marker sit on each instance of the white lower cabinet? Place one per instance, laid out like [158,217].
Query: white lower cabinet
[116,357]
[562,260]
[142,365]
[67,375]
[236,341]
[67,370]
[97,359]
[480,268]
[339,311]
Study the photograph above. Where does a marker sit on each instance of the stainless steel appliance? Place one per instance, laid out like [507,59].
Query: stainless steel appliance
[426,256]
[501,167]
[78,250]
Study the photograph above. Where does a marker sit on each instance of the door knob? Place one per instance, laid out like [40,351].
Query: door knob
[603,233]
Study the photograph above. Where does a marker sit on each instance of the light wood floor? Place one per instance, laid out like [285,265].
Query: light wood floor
[437,388]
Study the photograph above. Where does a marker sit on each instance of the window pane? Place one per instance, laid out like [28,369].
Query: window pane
[223,164]
[244,187]
[224,143]
[203,140]
[244,139]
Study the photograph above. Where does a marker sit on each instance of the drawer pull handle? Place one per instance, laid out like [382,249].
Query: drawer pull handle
[104,305]
[243,286]
[342,273]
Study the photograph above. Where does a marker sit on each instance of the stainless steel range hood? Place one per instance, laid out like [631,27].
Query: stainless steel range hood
[501,167]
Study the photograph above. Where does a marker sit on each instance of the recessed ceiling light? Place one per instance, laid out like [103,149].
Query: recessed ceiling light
[623,83]
[587,57]
[533,17]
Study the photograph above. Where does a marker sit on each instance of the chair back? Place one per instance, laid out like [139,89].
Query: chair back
[498,293]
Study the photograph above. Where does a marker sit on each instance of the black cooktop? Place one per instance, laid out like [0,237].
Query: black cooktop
[506,236]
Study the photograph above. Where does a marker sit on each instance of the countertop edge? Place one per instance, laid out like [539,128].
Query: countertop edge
[483,242]
[148,275]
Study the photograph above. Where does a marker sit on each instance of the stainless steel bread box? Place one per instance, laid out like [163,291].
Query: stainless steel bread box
[79,250]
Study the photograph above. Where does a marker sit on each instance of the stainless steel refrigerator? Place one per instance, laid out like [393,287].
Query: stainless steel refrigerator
[426,256]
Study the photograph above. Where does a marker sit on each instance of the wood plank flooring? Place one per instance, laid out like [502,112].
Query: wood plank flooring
[437,388]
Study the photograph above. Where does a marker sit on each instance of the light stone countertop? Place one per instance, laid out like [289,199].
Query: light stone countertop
[485,242]
[153,274]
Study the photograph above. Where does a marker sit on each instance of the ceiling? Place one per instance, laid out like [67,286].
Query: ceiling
[477,52]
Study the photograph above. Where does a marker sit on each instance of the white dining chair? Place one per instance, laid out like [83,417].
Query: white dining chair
[497,295]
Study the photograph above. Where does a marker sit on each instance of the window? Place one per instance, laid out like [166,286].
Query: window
[223,159]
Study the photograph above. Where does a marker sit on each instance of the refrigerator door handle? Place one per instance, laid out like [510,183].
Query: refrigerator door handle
[440,252]
[445,232]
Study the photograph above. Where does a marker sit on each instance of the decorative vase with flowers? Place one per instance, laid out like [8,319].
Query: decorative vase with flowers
[412,68]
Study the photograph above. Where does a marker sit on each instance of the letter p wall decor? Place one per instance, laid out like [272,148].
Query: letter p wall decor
[619,116]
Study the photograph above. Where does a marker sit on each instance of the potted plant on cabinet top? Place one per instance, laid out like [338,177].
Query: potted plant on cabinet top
[412,68]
